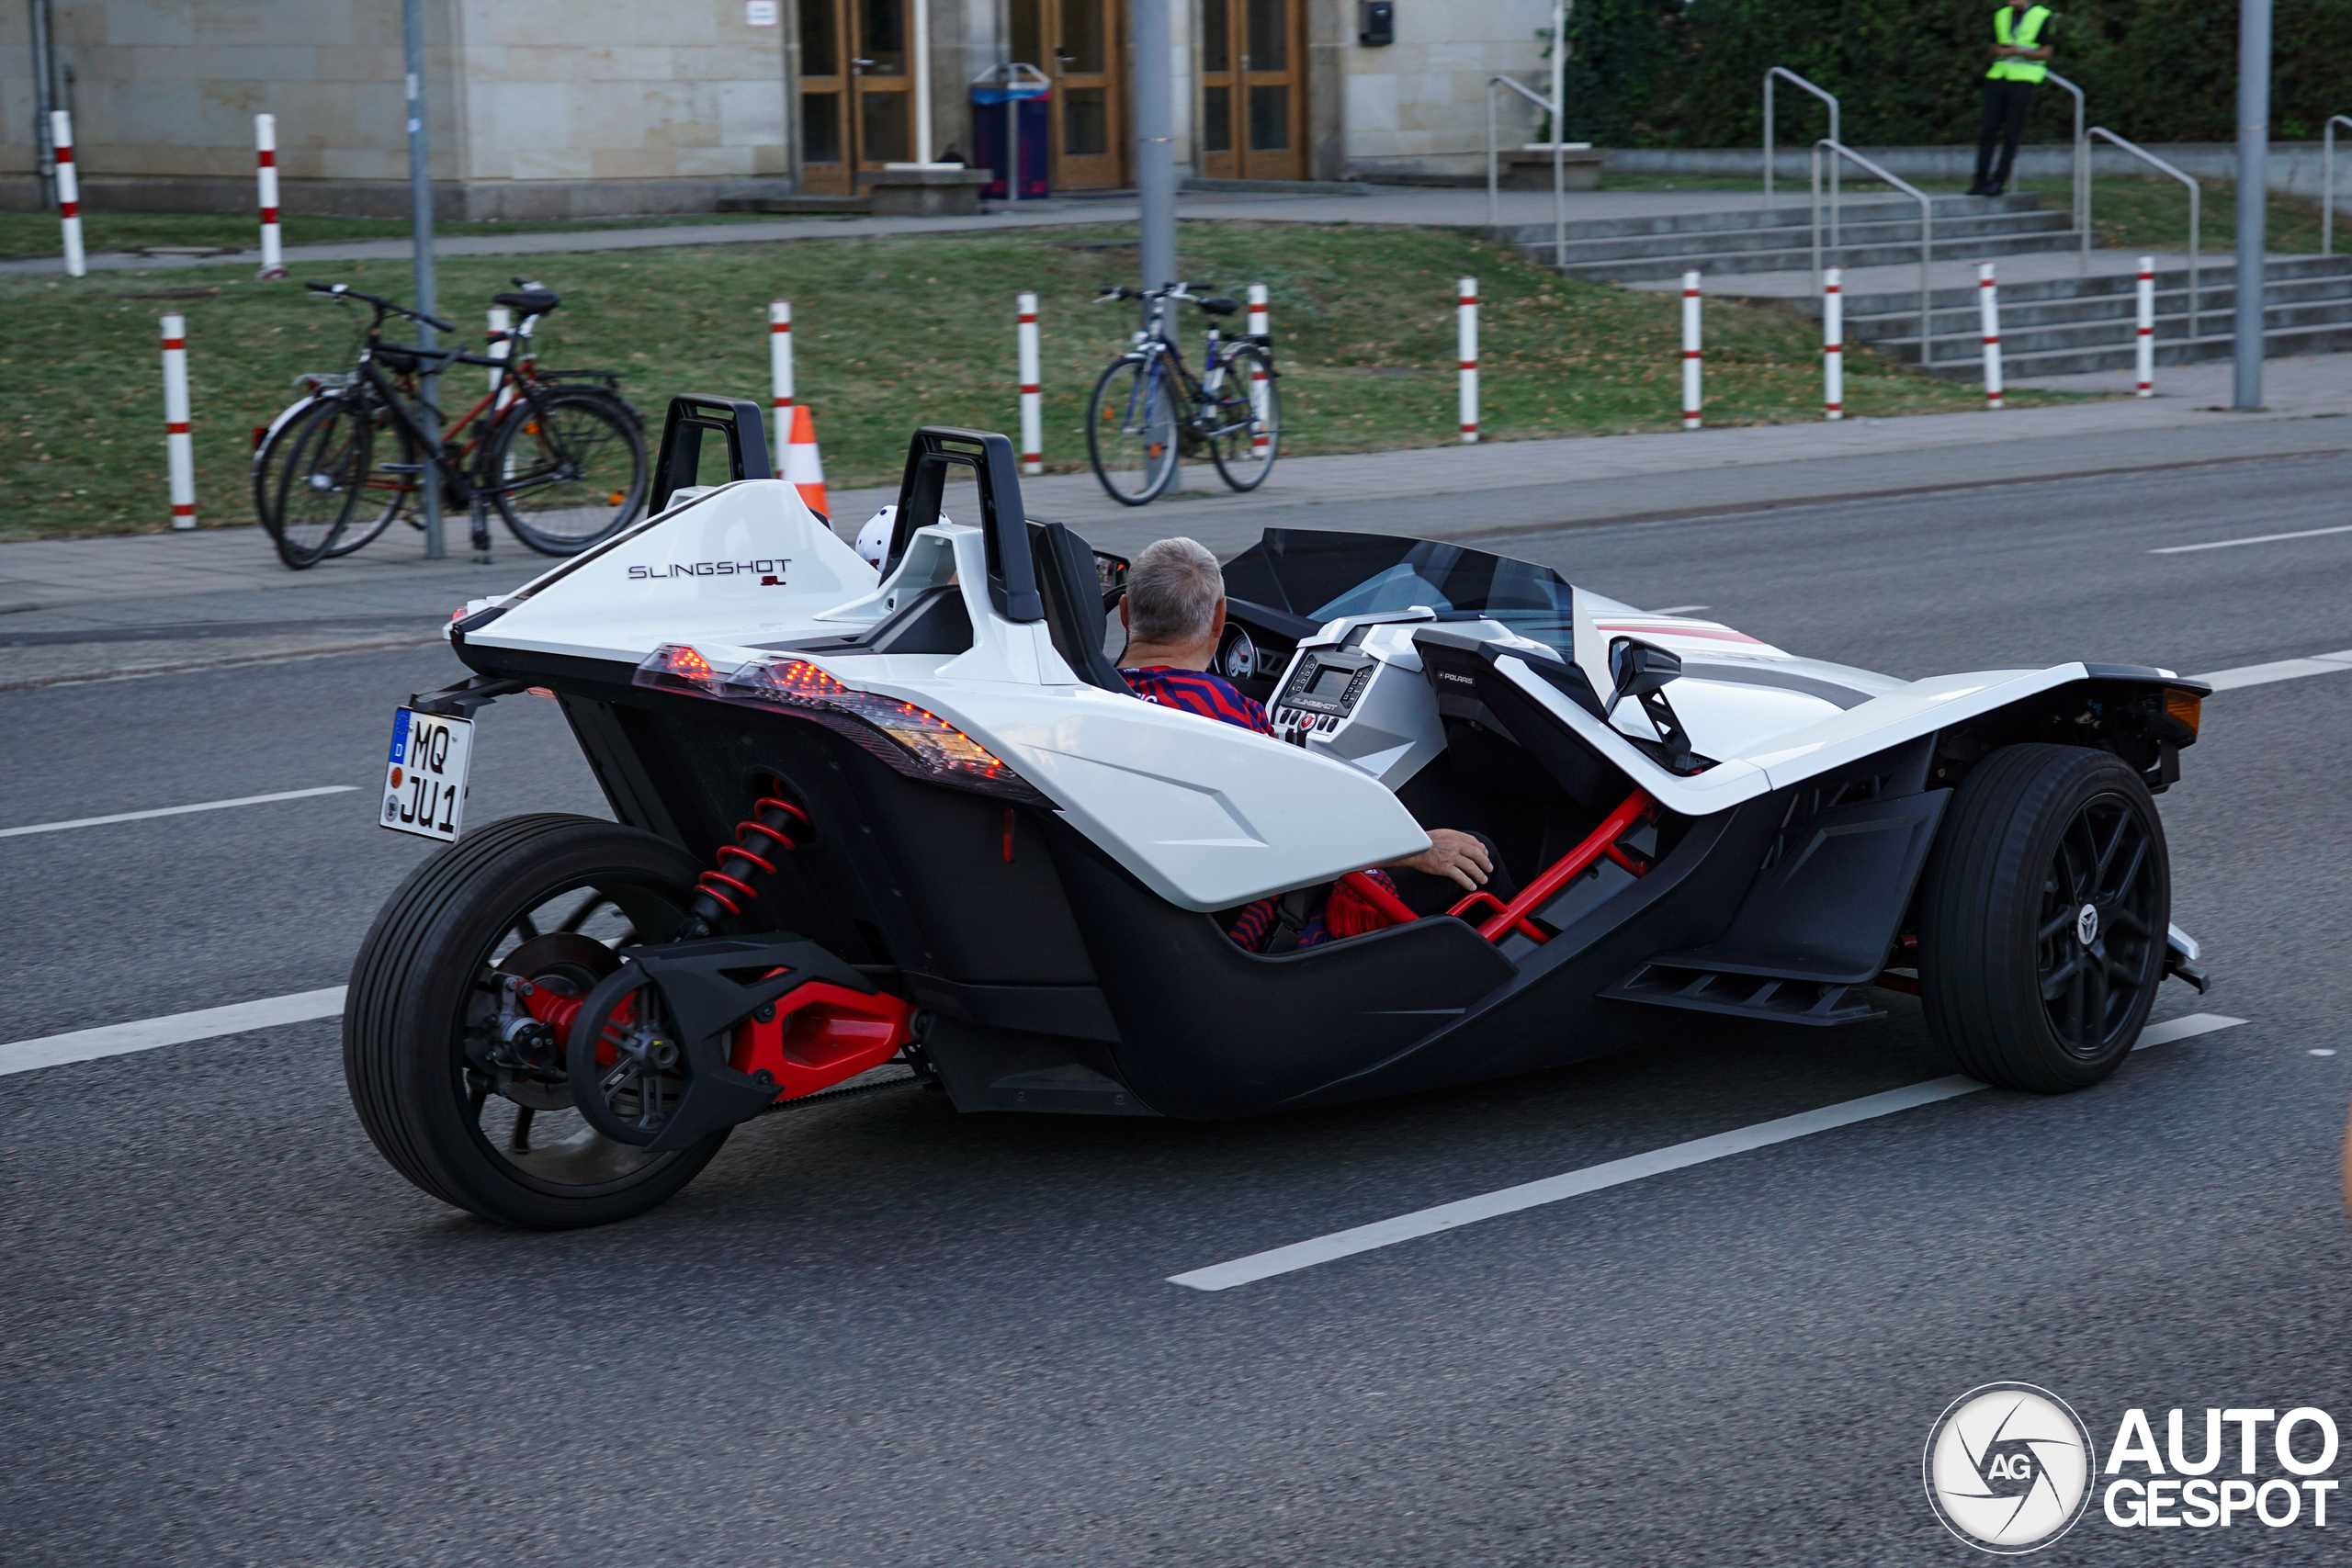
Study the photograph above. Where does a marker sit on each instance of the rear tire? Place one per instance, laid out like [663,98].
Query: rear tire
[580,452]
[2043,914]
[1251,433]
[414,1045]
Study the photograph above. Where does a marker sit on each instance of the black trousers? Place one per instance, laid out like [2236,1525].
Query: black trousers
[2005,106]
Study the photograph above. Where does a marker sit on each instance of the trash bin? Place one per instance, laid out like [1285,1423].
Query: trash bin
[1010,124]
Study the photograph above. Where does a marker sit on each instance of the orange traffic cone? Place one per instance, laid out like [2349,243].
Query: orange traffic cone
[803,467]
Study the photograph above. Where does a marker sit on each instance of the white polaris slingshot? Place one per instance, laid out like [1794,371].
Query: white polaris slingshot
[913,828]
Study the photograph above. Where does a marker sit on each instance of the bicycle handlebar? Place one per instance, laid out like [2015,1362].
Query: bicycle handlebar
[344,291]
[1166,291]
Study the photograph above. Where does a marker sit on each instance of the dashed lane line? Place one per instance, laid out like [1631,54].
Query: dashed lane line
[1616,1173]
[176,1028]
[2251,540]
[2279,670]
[177,810]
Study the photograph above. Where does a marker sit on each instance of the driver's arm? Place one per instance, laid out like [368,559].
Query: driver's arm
[1452,853]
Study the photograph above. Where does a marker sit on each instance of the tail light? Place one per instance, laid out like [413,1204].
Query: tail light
[912,740]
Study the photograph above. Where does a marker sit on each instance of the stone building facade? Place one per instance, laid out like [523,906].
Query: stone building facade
[584,107]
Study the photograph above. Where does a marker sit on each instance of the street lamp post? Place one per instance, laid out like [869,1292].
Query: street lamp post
[2253,195]
[420,194]
[1155,99]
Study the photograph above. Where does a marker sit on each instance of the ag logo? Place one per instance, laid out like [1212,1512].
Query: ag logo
[2008,1468]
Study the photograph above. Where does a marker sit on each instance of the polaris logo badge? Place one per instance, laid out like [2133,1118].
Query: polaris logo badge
[769,572]
[1457,680]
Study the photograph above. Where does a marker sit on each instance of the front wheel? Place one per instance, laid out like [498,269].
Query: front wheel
[1249,419]
[566,468]
[1131,429]
[2043,915]
[452,1082]
[317,483]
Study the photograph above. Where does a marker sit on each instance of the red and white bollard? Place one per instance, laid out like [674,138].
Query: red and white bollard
[780,369]
[1988,304]
[69,191]
[1033,402]
[2147,334]
[1467,336]
[1833,344]
[273,250]
[502,347]
[179,452]
[1258,437]
[1690,381]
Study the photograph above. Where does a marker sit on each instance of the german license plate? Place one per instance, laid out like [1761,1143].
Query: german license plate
[424,786]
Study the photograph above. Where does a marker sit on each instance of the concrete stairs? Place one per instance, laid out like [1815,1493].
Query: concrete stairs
[1872,232]
[2065,326]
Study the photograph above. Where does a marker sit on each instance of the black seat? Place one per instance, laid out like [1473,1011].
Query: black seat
[1072,586]
[1219,305]
[530,301]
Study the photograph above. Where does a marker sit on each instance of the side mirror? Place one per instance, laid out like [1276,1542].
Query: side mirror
[1638,670]
[1111,576]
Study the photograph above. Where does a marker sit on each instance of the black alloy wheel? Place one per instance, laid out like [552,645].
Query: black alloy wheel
[2042,918]
[459,1086]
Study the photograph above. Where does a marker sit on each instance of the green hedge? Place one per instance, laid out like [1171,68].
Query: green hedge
[1670,74]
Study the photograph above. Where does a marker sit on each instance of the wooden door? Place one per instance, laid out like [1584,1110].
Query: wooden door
[856,91]
[1253,89]
[1079,44]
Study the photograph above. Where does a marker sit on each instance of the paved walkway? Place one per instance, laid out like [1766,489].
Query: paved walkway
[80,609]
[1450,206]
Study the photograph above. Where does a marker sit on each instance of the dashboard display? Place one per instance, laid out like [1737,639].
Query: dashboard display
[1330,682]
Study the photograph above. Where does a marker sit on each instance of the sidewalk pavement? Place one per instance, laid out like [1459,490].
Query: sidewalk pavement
[79,609]
[1412,205]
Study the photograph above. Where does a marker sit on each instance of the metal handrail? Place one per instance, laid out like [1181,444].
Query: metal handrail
[1559,166]
[2196,210]
[2082,171]
[1926,227]
[2327,182]
[1836,134]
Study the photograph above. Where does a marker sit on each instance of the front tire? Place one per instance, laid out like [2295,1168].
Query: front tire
[546,898]
[1131,435]
[2042,919]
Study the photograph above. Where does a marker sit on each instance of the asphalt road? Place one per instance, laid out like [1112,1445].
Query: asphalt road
[881,1333]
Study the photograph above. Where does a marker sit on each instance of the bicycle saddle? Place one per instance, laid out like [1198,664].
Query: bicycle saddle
[1219,305]
[530,301]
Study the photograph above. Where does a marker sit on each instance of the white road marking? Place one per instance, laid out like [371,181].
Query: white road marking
[2279,670]
[177,1029]
[2254,539]
[177,810]
[1616,1173]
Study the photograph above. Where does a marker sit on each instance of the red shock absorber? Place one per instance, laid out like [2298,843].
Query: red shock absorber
[775,826]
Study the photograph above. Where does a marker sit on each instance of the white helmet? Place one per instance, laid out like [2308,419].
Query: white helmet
[874,539]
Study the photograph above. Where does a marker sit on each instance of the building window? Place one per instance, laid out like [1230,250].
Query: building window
[1268,119]
[1217,119]
[1086,122]
[1268,45]
[882,127]
[821,127]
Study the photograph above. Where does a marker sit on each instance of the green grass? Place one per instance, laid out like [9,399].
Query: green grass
[893,333]
[35,233]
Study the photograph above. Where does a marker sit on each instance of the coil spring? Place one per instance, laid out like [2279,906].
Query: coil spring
[773,826]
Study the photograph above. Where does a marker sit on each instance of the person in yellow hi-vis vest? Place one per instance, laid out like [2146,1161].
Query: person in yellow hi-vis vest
[2021,58]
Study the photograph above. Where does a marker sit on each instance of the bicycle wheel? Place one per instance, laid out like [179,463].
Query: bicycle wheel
[1131,429]
[327,458]
[1248,419]
[566,468]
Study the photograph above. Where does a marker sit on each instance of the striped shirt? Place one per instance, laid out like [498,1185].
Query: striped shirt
[1213,696]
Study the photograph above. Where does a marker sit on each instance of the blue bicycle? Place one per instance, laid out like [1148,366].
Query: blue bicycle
[1149,410]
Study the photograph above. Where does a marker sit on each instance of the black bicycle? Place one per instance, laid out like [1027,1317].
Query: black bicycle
[561,454]
[1150,411]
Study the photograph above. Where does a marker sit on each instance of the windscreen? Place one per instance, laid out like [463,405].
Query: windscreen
[1322,576]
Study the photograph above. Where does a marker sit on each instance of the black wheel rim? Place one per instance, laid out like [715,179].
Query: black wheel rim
[515,1103]
[2096,931]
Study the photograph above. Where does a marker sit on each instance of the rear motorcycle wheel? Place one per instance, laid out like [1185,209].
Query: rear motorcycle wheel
[450,1080]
